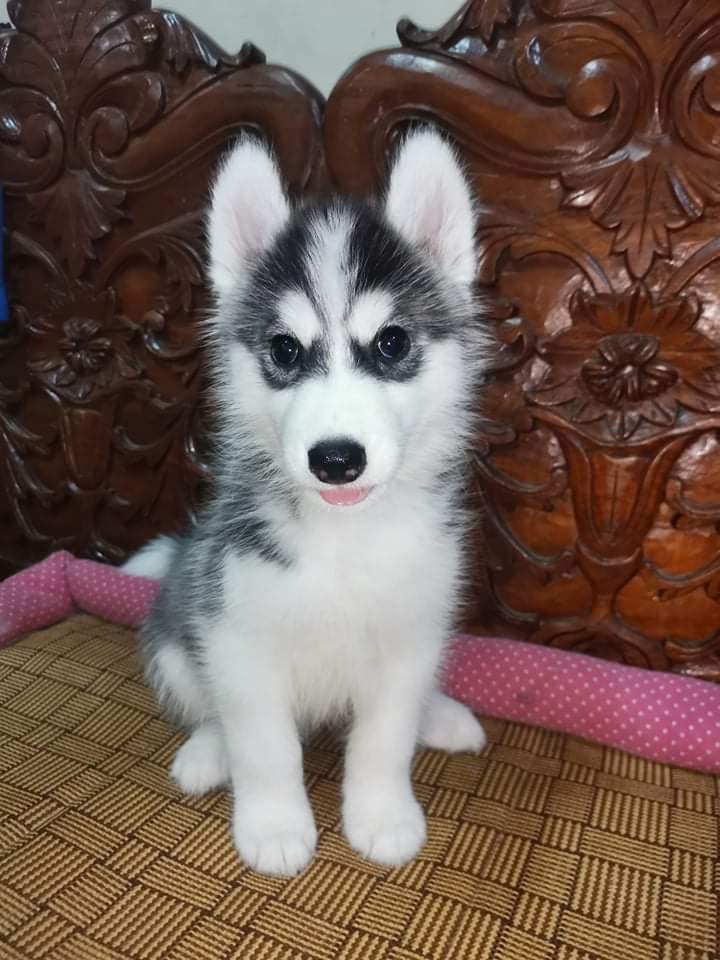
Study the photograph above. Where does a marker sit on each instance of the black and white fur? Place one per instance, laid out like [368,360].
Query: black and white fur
[279,610]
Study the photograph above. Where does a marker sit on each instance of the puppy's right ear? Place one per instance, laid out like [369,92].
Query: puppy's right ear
[248,209]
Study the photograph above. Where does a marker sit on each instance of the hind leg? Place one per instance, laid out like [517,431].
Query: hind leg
[449,725]
[200,764]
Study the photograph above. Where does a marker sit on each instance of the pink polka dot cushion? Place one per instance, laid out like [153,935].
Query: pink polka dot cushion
[659,716]
[59,585]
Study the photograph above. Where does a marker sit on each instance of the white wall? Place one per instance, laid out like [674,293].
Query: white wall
[318,38]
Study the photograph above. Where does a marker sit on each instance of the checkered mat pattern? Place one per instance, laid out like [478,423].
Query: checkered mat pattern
[544,848]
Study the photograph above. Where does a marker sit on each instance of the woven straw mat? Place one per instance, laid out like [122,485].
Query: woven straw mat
[543,848]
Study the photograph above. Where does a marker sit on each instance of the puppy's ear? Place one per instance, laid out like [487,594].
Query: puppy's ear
[430,204]
[248,209]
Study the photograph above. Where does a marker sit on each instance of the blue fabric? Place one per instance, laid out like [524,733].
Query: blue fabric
[4,309]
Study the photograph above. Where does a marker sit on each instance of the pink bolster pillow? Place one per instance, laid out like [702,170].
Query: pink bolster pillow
[659,716]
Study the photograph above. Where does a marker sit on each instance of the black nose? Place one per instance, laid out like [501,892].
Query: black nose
[337,461]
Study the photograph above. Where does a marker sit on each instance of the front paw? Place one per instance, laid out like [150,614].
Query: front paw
[388,828]
[272,838]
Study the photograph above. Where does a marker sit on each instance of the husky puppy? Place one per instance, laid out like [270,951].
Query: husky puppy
[322,580]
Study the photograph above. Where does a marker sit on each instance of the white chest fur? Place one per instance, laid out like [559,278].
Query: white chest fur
[356,594]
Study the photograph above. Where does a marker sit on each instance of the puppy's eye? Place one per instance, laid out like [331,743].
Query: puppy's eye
[392,344]
[285,350]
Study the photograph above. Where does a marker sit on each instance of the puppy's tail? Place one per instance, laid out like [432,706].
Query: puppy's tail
[153,560]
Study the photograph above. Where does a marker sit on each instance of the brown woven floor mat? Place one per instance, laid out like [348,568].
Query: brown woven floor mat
[544,848]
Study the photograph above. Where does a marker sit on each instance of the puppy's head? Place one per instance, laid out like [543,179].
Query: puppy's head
[347,332]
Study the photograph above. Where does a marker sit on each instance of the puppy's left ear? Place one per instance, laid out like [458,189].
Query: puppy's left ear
[430,204]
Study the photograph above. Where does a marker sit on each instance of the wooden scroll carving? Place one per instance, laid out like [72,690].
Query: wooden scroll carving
[592,132]
[111,117]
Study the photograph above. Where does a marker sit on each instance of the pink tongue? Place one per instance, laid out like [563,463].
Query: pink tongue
[344,496]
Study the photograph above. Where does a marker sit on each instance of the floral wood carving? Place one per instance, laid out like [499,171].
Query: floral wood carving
[93,351]
[627,367]
[111,118]
[592,133]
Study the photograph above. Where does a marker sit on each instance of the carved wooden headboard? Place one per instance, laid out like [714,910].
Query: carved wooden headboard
[111,117]
[592,132]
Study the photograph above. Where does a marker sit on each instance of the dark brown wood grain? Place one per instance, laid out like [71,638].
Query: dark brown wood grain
[111,118]
[592,133]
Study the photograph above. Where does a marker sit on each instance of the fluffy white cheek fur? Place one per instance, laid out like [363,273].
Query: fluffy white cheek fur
[243,397]
[438,408]
[429,412]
